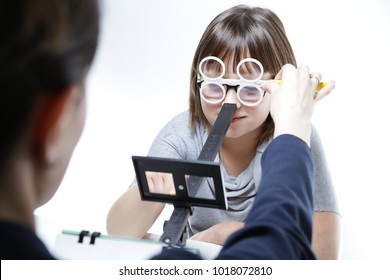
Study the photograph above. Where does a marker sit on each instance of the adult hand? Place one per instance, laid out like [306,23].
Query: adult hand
[292,103]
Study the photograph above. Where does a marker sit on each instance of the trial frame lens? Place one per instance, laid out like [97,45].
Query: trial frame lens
[213,87]
[248,69]
[214,93]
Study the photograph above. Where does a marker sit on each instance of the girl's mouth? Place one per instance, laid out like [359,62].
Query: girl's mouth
[236,119]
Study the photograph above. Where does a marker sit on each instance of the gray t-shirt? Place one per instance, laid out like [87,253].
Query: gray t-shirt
[177,140]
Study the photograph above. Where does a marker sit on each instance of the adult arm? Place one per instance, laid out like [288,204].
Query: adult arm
[279,225]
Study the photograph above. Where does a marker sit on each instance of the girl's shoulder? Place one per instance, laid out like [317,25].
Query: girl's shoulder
[181,119]
[181,124]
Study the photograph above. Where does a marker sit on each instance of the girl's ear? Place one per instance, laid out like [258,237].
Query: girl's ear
[52,109]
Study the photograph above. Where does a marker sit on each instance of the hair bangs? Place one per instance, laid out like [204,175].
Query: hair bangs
[229,47]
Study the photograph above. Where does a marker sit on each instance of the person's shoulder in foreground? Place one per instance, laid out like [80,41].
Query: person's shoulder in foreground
[46,50]
[20,242]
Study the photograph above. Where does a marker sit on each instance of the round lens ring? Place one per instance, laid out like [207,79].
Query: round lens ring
[212,93]
[250,69]
[256,94]
[212,68]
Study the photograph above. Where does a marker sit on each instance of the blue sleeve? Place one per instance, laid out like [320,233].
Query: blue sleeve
[176,254]
[279,225]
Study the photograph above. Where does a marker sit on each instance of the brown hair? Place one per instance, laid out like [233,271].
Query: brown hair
[237,32]
[45,46]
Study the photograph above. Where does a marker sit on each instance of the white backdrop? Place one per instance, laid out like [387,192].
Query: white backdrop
[140,80]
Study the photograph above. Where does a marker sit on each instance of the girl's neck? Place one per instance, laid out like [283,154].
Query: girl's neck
[242,145]
[237,153]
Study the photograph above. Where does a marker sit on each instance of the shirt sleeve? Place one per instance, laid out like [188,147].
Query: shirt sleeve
[279,225]
[325,198]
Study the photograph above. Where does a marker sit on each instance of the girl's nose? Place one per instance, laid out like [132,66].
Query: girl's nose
[231,97]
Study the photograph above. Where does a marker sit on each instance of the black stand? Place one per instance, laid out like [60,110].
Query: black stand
[175,229]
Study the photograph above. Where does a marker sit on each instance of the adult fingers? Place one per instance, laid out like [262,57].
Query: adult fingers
[324,91]
[315,79]
[285,73]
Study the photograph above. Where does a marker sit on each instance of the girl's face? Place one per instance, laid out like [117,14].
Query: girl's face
[247,118]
